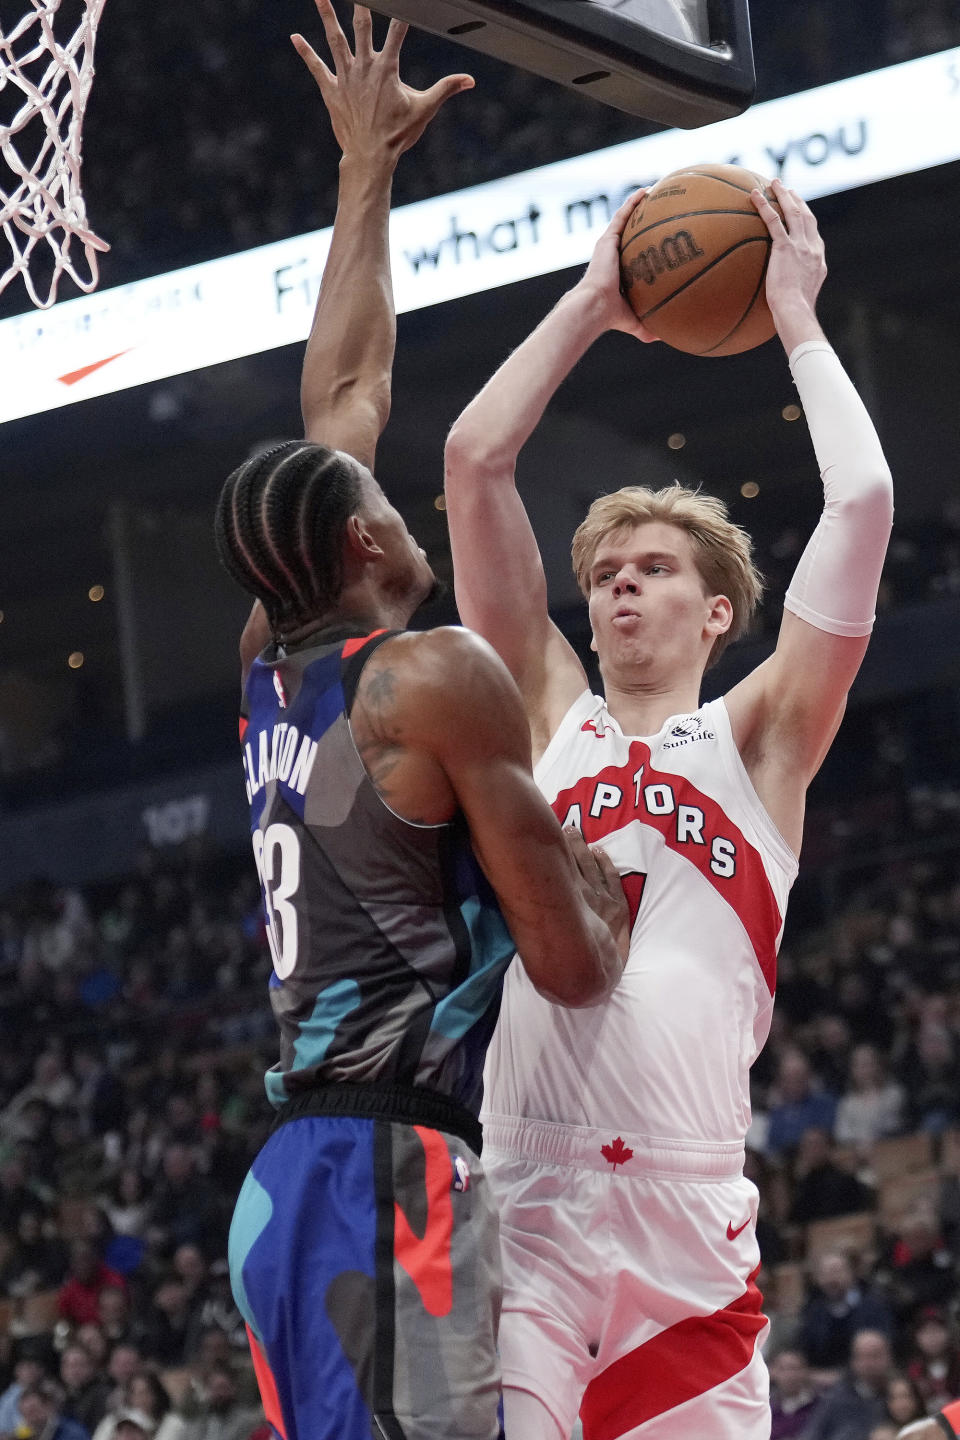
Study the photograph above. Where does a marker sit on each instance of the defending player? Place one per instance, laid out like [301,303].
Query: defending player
[392,804]
[615,1136]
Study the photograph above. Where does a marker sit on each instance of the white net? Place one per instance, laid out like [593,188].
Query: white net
[46,70]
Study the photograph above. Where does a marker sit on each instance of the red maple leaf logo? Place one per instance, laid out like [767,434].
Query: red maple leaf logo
[617,1153]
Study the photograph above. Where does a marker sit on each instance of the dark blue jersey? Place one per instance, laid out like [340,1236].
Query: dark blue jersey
[388,944]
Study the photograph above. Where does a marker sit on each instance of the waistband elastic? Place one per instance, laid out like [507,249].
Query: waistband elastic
[407,1104]
[581,1147]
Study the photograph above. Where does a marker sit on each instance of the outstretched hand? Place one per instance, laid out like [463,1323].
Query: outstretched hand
[602,275]
[374,114]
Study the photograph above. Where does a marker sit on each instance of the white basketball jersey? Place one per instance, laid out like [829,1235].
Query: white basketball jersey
[707,875]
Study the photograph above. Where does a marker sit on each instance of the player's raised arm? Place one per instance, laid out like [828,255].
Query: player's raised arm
[347,367]
[787,712]
[345,387]
[466,745]
[500,584]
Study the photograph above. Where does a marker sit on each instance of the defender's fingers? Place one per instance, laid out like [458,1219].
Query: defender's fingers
[443,89]
[395,37]
[312,60]
[362,32]
[580,851]
[608,871]
[336,39]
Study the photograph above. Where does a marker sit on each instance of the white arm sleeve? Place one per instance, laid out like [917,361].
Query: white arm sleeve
[835,584]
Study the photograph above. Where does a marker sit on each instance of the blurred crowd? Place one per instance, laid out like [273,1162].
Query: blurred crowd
[922,564]
[131,1102]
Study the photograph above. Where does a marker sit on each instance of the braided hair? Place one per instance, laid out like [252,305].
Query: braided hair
[279,528]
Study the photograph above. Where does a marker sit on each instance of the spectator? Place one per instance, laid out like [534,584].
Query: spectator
[922,1270]
[144,1395]
[793,1400]
[856,1403]
[17,1193]
[39,1261]
[824,1190]
[799,1106]
[837,1310]
[85,1392]
[931,1073]
[27,1370]
[116,1321]
[223,1416]
[79,1301]
[41,1406]
[170,1326]
[934,1361]
[830,1054]
[904,1401]
[125,1360]
[126,1206]
[185,1209]
[132,1425]
[873,1105]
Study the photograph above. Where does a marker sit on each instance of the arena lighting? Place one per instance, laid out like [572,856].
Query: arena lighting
[836,137]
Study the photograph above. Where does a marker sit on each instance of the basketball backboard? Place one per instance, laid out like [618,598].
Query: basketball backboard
[677,62]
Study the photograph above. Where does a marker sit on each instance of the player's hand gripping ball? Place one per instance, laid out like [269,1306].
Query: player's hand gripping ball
[693,260]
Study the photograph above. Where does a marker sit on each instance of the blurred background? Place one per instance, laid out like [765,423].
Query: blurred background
[132,960]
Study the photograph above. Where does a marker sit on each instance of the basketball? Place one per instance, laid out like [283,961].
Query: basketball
[693,261]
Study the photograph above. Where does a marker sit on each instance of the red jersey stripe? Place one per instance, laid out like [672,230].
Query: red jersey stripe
[747,890]
[684,1361]
[352,646]
[951,1414]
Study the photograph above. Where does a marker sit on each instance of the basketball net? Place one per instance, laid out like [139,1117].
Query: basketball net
[40,199]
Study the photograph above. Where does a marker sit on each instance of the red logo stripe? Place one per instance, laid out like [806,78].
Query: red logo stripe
[73,376]
[680,1363]
[244,727]
[748,890]
[426,1258]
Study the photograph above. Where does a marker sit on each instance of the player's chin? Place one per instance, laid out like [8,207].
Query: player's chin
[433,591]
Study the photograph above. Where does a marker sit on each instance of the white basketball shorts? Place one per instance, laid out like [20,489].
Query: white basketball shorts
[629,1270]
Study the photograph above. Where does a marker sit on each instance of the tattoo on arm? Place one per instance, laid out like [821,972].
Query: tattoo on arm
[380,693]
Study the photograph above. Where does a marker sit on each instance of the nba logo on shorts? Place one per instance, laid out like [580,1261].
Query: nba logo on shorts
[461,1173]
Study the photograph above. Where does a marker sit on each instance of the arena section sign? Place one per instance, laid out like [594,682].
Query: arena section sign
[854,132]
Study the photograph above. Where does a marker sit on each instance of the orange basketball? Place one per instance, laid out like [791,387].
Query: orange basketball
[693,261]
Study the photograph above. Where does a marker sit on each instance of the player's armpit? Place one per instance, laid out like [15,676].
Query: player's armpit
[453,701]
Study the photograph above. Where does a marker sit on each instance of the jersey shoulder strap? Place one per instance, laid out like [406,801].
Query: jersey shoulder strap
[356,652]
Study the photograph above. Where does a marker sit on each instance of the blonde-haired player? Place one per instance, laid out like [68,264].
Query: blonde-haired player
[614,1137]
